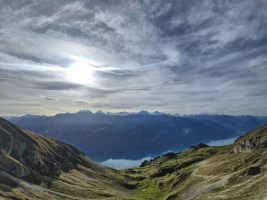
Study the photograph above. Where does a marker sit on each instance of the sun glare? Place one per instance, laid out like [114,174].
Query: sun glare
[80,72]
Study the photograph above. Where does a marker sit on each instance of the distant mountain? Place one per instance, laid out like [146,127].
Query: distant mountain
[136,135]
[240,124]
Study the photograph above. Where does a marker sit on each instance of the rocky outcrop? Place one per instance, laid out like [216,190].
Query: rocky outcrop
[255,170]
[170,155]
[252,141]
[144,163]
[199,146]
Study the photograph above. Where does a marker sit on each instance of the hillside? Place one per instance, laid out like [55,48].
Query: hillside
[236,172]
[136,135]
[37,167]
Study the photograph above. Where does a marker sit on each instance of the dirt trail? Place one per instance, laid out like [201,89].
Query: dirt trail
[206,182]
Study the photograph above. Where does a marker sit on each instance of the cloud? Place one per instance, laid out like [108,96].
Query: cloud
[56,85]
[174,56]
[124,163]
[49,98]
[221,142]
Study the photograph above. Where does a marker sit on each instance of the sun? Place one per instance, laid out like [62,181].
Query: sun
[81,72]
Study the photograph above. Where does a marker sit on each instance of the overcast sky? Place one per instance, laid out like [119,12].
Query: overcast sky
[179,56]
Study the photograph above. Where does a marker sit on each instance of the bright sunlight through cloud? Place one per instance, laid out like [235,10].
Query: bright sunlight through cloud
[81,72]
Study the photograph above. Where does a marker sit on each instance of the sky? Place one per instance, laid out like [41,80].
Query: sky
[184,56]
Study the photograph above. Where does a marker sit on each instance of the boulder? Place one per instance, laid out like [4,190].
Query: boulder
[252,171]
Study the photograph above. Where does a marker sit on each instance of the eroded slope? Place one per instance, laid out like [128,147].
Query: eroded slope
[35,167]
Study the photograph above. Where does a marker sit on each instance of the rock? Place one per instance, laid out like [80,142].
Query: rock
[170,155]
[202,145]
[144,163]
[199,146]
[252,171]
[164,171]
[252,141]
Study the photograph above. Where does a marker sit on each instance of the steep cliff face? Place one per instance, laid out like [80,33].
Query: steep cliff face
[252,141]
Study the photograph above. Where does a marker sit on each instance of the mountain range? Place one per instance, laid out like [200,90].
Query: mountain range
[136,135]
[37,167]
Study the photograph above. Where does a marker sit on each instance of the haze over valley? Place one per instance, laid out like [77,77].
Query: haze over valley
[130,137]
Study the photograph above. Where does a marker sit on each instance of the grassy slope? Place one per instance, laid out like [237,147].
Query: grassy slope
[80,183]
[35,167]
[206,173]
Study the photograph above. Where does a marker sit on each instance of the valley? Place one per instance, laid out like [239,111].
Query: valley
[36,167]
[133,136]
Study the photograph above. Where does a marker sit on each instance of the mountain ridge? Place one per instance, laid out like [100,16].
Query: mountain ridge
[134,136]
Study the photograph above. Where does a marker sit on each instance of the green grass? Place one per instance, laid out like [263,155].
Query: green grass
[149,190]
